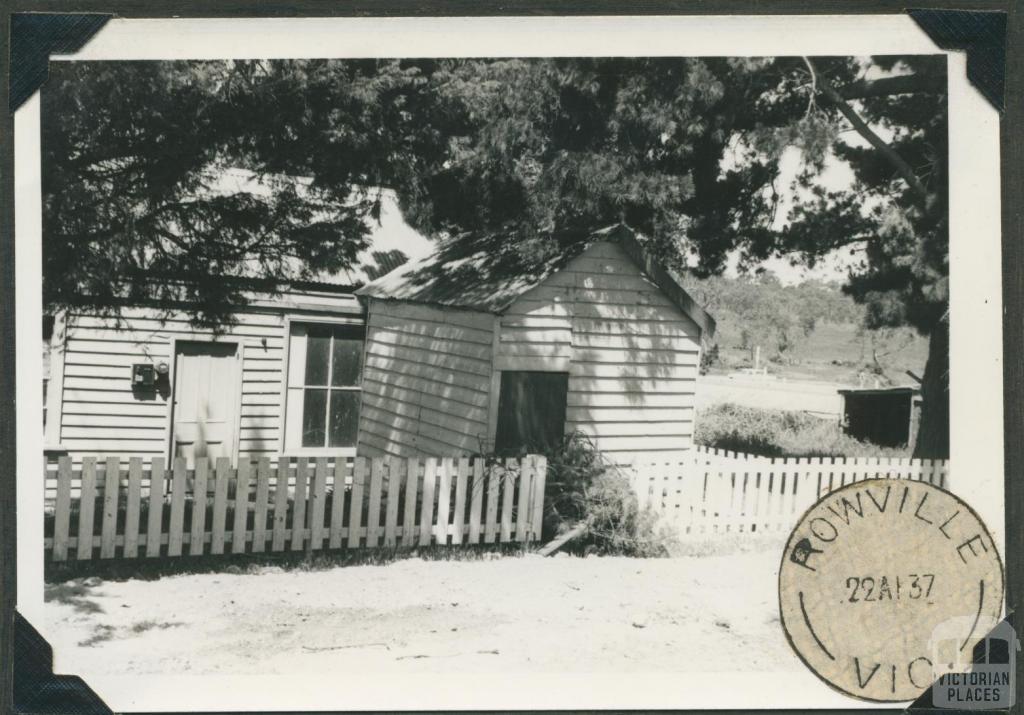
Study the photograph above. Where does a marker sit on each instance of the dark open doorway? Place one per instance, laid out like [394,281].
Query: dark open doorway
[531,411]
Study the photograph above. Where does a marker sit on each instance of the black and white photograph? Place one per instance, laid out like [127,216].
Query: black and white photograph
[409,370]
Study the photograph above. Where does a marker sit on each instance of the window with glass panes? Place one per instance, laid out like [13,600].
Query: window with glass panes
[325,365]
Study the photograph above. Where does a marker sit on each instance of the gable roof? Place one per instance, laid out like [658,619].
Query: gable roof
[488,273]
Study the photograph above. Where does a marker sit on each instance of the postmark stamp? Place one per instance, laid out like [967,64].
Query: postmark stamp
[868,573]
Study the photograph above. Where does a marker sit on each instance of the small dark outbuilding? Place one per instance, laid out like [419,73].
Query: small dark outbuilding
[886,416]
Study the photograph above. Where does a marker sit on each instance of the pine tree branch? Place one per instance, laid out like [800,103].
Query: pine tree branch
[902,167]
[887,86]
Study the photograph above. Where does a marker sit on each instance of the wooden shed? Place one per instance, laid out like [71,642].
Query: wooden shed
[486,346]
[886,416]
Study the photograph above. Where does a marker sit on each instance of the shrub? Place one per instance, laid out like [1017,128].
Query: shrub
[781,433]
[584,487]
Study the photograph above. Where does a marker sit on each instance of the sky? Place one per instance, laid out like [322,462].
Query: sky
[833,266]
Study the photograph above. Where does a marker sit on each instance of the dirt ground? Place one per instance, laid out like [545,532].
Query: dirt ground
[518,613]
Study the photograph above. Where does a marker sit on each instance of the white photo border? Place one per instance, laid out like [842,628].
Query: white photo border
[976,358]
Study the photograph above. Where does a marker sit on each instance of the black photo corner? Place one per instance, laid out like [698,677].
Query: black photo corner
[29,684]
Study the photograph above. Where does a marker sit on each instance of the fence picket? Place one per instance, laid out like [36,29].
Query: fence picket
[427,510]
[802,466]
[741,501]
[155,500]
[261,507]
[132,508]
[238,528]
[412,479]
[508,494]
[914,470]
[299,499]
[316,517]
[493,483]
[355,510]
[458,521]
[62,510]
[476,499]
[391,508]
[199,500]
[280,506]
[221,475]
[341,473]
[758,519]
[540,476]
[373,514]
[111,492]
[86,508]
[444,500]
[523,498]
[176,528]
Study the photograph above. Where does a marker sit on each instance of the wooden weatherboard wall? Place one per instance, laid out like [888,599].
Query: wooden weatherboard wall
[631,354]
[426,380]
[99,415]
[433,374]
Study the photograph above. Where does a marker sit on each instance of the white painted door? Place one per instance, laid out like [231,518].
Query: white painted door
[205,400]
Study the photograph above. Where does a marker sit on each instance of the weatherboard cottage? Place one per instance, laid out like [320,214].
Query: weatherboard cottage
[472,346]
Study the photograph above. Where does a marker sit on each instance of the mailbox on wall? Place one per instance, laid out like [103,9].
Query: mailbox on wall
[143,376]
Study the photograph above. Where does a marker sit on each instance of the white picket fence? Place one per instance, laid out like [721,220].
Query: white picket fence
[718,492]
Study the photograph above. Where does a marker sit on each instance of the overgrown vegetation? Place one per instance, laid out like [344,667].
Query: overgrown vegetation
[781,433]
[584,487]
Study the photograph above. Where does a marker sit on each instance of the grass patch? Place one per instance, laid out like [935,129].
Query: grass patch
[781,433]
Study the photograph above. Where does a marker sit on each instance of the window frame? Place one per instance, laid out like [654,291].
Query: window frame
[284,449]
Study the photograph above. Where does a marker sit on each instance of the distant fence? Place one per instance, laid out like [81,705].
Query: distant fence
[123,510]
[716,491]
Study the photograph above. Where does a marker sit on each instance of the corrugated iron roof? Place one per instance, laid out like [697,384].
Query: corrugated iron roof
[488,272]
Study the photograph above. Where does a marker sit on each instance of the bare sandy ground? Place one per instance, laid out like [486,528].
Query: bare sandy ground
[696,613]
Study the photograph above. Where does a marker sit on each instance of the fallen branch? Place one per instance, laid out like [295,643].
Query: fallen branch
[558,542]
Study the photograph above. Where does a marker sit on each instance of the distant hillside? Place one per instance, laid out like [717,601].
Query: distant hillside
[809,330]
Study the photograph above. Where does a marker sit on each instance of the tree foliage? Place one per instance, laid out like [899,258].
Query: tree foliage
[139,199]
[543,151]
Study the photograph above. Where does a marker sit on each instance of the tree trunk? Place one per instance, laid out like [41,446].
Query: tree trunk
[933,430]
